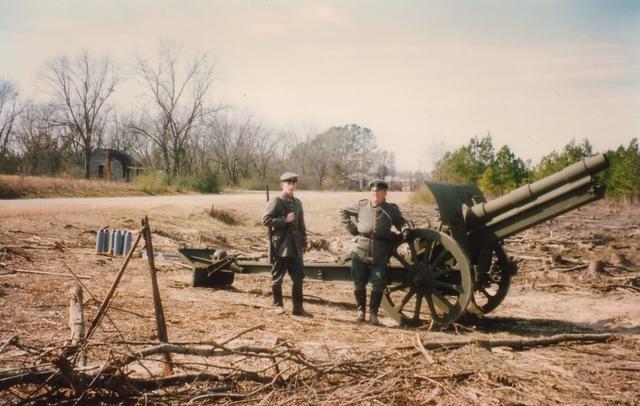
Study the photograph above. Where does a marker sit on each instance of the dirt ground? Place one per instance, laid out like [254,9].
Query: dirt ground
[555,292]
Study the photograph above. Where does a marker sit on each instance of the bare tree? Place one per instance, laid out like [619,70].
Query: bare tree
[232,144]
[299,154]
[37,141]
[82,89]
[319,159]
[266,149]
[9,112]
[177,103]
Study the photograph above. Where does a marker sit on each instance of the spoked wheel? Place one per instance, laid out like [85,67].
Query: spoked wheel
[493,280]
[438,284]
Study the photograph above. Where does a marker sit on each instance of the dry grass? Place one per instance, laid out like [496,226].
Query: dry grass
[422,195]
[15,187]
[341,362]
[226,216]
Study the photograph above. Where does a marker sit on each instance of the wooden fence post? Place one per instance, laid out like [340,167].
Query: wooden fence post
[157,302]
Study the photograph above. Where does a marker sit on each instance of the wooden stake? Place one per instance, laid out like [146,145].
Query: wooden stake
[157,302]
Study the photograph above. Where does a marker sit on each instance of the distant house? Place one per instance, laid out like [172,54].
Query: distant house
[401,184]
[113,164]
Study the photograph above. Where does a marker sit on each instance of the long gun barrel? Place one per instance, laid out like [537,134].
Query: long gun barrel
[482,213]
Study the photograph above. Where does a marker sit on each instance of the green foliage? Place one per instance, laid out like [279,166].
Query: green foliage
[466,164]
[504,173]
[554,162]
[454,167]
[623,176]
[184,183]
[207,183]
[153,182]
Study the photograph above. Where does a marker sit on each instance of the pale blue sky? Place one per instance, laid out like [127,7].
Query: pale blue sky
[423,75]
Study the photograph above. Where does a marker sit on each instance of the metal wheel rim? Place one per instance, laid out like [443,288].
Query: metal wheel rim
[487,299]
[439,294]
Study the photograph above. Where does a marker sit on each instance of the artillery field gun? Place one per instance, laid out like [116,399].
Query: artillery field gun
[458,265]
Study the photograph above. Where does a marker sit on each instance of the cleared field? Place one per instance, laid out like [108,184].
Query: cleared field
[331,358]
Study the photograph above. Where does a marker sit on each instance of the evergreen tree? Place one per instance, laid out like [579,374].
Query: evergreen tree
[504,173]
[554,162]
[623,176]
[466,164]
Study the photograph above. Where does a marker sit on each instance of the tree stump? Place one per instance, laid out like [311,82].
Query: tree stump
[76,319]
[596,268]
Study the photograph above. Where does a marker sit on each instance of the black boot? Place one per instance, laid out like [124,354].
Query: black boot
[376,298]
[296,298]
[277,299]
[361,302]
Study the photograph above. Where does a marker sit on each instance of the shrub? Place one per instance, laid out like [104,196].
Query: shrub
[153,182]
[184,182]
[208,183]
[254,184]
[8,190]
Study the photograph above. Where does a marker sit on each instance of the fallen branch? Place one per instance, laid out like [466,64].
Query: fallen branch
[607,288]
[558,285]
[573,268]
[211,351]
[65,275]
[528,257]
[423,350]
[11,340]
[518,344]
[173,380]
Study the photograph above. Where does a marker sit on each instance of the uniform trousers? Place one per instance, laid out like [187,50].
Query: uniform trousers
[283,265]
[361,273]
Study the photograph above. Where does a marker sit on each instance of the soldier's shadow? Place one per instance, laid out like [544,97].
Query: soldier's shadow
[324,302]
[525,327]
[311,299]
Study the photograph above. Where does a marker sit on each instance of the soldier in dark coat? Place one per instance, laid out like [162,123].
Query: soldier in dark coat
[285,217]
[374,240]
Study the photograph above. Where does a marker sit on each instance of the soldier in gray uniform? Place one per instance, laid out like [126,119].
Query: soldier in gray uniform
[285,218]
[374,239]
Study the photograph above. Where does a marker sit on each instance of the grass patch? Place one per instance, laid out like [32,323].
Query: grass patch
[153,182]
[16,187]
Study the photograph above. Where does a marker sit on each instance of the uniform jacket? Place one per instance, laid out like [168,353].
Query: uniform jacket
[289,239]
[373,229]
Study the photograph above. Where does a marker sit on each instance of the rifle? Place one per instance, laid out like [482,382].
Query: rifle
[271,250]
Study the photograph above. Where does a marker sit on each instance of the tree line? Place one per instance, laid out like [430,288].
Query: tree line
[181,134]
[497,173]
[175,129]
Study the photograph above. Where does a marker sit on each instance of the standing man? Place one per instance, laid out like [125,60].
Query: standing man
[370,256]
[285,217]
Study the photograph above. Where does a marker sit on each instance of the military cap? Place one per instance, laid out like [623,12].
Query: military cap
[378,184]
[289,176]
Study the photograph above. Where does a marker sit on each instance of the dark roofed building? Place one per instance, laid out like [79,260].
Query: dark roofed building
[113,164]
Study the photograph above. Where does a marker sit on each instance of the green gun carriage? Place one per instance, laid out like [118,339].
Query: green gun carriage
[459,265]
